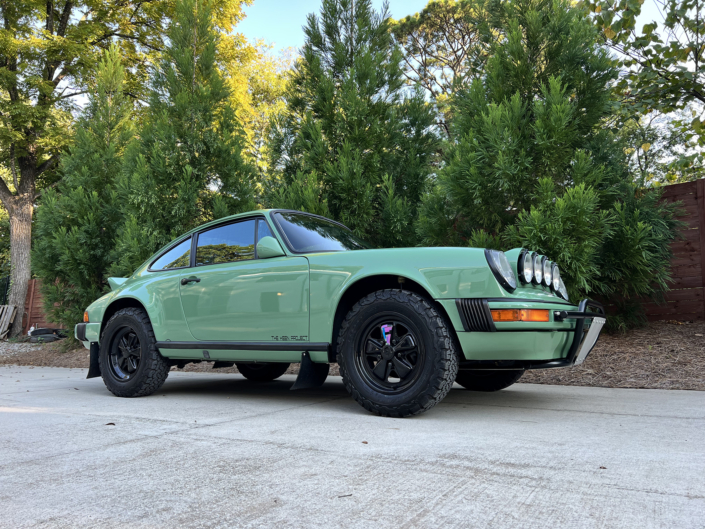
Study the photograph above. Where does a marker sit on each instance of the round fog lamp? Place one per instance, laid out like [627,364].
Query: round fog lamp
[538,268]
[525,267]
[556,278]
[547,272]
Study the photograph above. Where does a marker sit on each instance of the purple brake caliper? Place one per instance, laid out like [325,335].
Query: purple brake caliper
[387,333]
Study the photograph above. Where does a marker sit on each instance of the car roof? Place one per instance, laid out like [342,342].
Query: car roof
[258,212]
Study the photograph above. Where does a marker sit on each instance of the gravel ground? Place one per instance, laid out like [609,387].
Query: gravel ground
[664,355]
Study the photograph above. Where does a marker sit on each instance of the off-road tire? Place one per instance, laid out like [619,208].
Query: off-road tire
[485,380]
[153,367]
[262,371]
[439,366]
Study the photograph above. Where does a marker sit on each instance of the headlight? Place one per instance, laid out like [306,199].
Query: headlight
[501,269]
[547,265]
[538,268]
[555,278]
[562,290]
[525,267]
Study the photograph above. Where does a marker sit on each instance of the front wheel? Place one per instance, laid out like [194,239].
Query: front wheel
[129,360]
[487,380]
[262,371]
[396,354]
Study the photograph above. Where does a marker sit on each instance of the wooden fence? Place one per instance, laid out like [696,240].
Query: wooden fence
[685,301]
[33,315]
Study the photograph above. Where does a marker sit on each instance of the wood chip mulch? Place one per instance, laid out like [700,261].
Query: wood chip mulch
[664,355]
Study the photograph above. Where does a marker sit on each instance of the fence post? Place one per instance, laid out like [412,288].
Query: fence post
[700,198]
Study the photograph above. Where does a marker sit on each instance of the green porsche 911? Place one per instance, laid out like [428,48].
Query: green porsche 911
[267,288]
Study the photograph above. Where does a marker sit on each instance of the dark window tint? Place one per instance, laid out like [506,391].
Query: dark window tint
[263,230]
[225,244]
[315,234]
[178,257]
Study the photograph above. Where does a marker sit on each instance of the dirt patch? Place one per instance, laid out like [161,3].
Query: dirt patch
[48,355]
[664,355]
[661,356]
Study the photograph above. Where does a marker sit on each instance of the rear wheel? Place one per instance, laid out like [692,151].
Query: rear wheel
[130,363]
[395,354]
[262,371]
[487,380]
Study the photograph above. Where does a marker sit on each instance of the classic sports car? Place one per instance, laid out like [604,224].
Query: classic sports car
[267,288]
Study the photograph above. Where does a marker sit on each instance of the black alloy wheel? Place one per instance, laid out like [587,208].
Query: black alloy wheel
[389,354]
[396,353]
[125,353]
[130,362]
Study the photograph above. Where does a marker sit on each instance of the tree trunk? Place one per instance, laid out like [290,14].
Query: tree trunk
[20,259]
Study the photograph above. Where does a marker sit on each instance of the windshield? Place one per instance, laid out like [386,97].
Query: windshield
[307,234]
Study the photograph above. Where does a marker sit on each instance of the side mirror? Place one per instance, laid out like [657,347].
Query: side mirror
[269,247]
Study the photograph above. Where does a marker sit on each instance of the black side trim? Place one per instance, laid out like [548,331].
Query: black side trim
[475,315]
[526,300]
[247,346]
[81,332]
[535,330]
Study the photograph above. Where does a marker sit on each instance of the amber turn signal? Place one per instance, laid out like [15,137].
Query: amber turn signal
[85,317]
[519,315]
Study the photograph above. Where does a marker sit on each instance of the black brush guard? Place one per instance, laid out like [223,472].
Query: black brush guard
[590,318]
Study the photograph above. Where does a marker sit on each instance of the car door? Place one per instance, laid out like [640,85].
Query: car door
[231,295]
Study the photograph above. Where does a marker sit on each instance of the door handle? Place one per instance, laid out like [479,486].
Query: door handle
[187,280]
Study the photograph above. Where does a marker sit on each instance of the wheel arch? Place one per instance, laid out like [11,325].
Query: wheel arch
[360,288]
[119,304]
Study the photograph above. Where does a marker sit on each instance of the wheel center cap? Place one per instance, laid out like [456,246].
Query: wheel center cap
[387,352]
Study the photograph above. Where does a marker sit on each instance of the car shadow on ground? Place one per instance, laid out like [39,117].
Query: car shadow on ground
[334,394]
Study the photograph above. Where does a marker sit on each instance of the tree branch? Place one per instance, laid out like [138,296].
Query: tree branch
[5,194]
[13,169]
[64,21]
[72,94]
[48,164]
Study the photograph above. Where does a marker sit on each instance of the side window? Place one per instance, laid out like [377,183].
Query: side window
[225,244]
[178,257]
[263,230]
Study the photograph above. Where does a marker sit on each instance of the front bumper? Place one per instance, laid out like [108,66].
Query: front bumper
[87,333]
[565,340]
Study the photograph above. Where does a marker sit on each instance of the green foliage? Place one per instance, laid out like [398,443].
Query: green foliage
[570,229]
[351,140]
[665,63]
[303,194]
[664,70]
[76,224]
[532,163]
[527,119]
[187,167]
[662,149]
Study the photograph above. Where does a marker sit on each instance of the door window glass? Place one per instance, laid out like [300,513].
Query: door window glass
[225,244]
[263,230]
[178,257]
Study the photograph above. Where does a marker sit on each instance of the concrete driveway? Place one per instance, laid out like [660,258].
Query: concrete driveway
[218,451]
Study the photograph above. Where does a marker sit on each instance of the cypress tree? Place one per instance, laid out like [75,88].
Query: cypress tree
[187,167]
[76,223]
[533,163]
[352,143]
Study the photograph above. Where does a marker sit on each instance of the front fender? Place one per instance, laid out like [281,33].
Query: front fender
[445,273]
